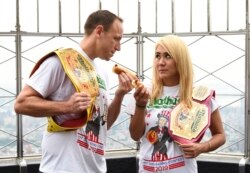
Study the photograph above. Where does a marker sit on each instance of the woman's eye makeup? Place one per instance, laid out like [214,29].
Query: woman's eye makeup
[166,55]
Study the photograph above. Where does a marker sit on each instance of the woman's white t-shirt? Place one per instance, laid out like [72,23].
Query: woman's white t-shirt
[161,154]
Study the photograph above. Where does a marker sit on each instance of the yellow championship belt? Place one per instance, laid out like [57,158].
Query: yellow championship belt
[83,76]
[189,125]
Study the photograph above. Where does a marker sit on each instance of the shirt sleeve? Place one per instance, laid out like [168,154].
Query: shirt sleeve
[214,105]
[47,77]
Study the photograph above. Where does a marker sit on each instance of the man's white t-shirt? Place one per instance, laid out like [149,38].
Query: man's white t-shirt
[78,151]
[161,154]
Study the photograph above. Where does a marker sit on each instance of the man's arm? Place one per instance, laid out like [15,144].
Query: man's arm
[30,102]
[114,109]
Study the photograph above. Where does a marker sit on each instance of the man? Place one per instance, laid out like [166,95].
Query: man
[58,89]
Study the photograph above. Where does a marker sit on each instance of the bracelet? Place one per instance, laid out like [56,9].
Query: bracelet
[140,106]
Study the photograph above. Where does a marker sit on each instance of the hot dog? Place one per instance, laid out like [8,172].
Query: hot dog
[135,80]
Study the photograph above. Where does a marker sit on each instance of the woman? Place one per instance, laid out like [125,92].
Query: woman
[172,85]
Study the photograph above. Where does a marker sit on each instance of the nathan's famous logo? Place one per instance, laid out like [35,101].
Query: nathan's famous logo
[167,102]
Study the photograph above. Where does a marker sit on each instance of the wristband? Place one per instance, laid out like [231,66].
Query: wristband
[140,106]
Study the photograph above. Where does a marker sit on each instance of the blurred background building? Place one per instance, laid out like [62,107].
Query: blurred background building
[217,33]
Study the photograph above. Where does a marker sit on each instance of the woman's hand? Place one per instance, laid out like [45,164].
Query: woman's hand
[141,96]
[192,150]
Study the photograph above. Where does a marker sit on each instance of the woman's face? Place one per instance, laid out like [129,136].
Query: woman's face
[166,67]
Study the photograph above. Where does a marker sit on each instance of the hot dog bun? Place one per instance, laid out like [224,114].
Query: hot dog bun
[119,69]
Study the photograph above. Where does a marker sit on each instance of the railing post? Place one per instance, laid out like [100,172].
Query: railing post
[22,166]
[242,165]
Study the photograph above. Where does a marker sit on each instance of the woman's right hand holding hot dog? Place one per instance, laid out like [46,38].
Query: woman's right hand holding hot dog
[137,123]
[141,96]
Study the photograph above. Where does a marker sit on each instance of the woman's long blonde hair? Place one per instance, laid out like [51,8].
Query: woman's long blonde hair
[178,50]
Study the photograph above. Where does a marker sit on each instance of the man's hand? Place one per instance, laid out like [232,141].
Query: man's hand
[79,102]
[125,84]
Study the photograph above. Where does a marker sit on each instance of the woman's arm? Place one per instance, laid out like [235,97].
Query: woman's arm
[137,123]
[217,131]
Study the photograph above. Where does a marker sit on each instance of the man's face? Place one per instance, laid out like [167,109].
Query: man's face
[110,40]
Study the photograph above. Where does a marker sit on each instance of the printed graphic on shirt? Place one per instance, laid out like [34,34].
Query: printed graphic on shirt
[90,139]
[159,137]
[158,166]
[101,83]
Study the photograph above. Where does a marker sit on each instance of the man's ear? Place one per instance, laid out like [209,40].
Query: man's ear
[99,30]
